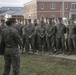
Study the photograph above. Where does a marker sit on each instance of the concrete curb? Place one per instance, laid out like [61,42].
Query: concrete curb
[73,57]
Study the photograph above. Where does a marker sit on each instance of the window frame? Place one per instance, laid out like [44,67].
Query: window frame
[52,5]
[42,5]
[66,5]
[73,7]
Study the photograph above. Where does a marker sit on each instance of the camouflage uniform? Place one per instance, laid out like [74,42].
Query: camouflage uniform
[12,54]
[72,38]
[50,37]
[60,39]
[2,27]
[36,36]
[23,36]
[41,32]
[19,27]
[29,32]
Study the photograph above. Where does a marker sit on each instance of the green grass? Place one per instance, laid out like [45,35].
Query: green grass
[43,65]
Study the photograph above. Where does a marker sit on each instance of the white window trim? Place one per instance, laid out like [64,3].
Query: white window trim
[67,6]
[71,5]
[52,6]
[41,6]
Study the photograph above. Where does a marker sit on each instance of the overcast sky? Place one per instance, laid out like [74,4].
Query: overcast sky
[13,2]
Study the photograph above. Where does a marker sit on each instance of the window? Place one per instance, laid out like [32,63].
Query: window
[52,5]
[66,6]
[74,6]
[42,5]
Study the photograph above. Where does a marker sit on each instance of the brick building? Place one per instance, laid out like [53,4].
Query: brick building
[35,9]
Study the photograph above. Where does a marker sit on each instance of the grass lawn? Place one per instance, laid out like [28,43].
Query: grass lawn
[43,65]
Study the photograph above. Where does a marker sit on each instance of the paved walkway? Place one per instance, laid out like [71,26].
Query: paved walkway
[73,57]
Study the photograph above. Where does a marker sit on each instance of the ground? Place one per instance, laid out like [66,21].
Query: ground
[44,65]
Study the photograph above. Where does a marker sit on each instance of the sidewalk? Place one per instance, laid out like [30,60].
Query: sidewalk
[73,57]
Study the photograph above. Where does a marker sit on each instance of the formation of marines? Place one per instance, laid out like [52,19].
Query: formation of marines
[50,36]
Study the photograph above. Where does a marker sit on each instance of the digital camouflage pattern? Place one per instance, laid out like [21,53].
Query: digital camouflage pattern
[72,38]
[41,32]
[29,33]
[2,45]
[1,28]
[12,54]
[60,38]
[50,36]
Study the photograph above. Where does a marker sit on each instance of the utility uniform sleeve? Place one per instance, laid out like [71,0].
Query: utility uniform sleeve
[18,38]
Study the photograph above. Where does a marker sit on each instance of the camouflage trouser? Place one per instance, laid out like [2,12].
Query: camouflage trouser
[60,44]
[36,42]
[72,45]
[23,40]
[41,43]
[12,57]
[50,42]
[23,45]
[30,41]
